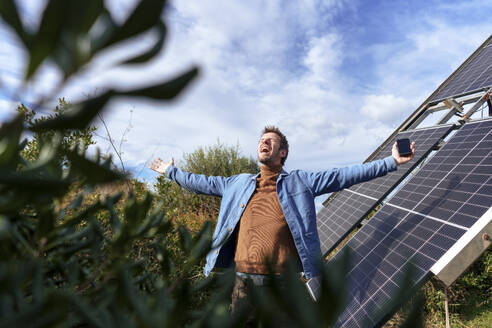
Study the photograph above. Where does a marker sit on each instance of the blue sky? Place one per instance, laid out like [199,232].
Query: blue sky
[336,76]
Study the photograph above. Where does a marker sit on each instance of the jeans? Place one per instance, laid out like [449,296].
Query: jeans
[241,294]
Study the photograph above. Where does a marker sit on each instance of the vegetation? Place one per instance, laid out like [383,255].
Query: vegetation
[81,138]
[469,298]
[76,254]
[216,160]
[73,252]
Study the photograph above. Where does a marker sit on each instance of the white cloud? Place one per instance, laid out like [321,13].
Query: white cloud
[273,62]
[323,57]
[386,108]
[416,67]
[246,83]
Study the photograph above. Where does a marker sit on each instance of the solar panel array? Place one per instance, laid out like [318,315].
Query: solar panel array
[419,224]
[475,75]
[350,206]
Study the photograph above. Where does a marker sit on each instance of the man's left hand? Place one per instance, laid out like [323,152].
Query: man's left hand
[402,159]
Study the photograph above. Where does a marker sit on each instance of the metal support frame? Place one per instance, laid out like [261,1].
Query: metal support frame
[454,109]
[489,103]
[477,105]
[465,100]
[418,120]
[446,307]
[440,106]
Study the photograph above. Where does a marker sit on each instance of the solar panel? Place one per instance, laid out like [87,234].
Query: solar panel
[474,76]
[351,205]
[419,224]
[340,216]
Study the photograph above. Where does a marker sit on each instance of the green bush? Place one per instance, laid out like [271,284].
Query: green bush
[216,160]
[469,298]
[81,138]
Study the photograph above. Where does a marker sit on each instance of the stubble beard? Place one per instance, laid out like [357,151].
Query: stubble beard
[268,160]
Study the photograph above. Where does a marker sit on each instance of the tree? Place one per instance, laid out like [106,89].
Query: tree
[60,265]
[70,138]
[219,160]
[216,160]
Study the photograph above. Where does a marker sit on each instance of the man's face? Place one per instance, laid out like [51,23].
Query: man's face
[269,152]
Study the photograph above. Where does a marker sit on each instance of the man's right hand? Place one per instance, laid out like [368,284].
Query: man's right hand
[159,166]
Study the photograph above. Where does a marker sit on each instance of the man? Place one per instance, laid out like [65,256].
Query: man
[272,214]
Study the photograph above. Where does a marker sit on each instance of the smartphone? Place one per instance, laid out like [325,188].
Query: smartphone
[404,147]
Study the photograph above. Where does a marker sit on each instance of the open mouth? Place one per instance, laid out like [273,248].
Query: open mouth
[264,150]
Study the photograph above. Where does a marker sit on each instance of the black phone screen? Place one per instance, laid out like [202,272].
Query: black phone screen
[404,147]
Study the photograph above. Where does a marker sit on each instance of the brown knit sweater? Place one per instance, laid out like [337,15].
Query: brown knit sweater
[263,231]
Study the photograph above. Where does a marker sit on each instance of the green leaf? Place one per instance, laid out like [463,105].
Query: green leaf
[164,91]
[93,172]
[415,317]
[131,213]
[10,14]
[4,227]
[146,15]
[203,242]
[10,133]
[300,308]
[45,227]
[75,219]
[156,48]
[85,311]
[144,206]
[115,220]
[10,202]
[68,238]
[33,184]
[73,48]
[72,271]
[48,155]
[77,117]
[50,312]
[77,202]
[106,28]
[38,290]
[48,35]
[12,128]
[128,293]
[83,14]
[185,239]
[164,257]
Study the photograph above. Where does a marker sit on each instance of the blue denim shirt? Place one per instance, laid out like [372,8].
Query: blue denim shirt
[296,192]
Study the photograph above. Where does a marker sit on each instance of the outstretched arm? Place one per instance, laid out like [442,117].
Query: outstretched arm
[198,183]
[337,179]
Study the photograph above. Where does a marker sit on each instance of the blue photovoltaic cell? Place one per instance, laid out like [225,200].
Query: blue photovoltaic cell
[455,185]
[419,224]
[351,205]
[475,75]
[339,217]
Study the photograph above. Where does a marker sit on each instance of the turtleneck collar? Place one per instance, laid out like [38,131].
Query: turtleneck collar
[270,170]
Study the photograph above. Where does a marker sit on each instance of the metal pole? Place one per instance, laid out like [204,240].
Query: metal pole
[446,307]
[489,104]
